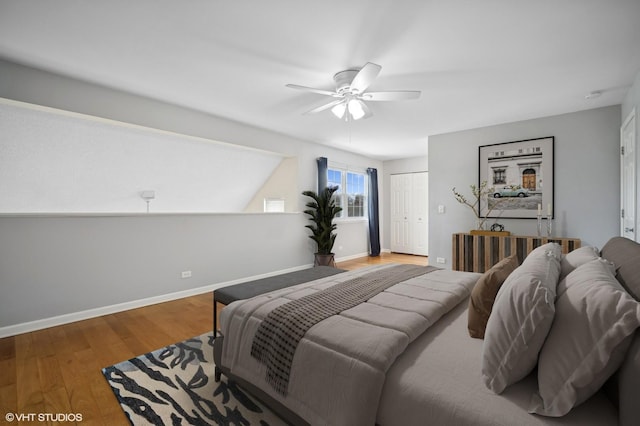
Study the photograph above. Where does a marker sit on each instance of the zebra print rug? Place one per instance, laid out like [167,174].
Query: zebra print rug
[175,386]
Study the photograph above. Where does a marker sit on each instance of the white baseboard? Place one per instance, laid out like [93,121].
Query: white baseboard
[353,256]
[40,324]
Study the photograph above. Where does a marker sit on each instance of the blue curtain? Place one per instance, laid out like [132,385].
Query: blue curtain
[374,225]
[322,173]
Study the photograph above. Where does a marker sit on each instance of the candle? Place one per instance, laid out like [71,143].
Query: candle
[549,209]
[539,208]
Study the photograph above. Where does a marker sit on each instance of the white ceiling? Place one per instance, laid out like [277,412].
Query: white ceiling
[477,63]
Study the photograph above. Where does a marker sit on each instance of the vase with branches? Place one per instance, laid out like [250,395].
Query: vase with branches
[479,193]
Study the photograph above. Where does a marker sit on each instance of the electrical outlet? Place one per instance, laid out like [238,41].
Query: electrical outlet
[440,209]
[186,274]
[441,260]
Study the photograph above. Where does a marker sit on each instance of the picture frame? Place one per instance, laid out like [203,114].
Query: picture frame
[521,175]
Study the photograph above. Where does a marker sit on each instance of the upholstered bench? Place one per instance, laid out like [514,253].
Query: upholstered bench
[226,295]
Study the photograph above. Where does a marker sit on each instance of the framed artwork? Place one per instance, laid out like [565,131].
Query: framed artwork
[521,175]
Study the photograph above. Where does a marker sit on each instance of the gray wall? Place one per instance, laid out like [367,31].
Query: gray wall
[61,266]
[587,176]
[52,266]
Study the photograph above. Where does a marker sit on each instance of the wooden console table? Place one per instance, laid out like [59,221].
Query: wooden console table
[478,253]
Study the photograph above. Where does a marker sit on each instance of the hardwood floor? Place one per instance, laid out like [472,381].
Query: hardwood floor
[383,258]
[58,370]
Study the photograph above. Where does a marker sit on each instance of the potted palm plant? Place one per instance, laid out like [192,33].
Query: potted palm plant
[322,209]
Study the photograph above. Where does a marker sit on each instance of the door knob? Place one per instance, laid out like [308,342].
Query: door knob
[628,229]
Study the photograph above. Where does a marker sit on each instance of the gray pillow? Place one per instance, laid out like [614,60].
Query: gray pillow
[594,323]
[625,254]
[520,319]
[577,257]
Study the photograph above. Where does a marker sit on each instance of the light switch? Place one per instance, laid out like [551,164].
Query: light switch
[440,208]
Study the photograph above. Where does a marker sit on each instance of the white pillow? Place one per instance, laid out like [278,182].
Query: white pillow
[520,319]
[577,257]
[594,323]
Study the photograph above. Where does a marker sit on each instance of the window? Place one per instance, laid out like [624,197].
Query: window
[352,192]
[355,195]
[334,178]
[273,205]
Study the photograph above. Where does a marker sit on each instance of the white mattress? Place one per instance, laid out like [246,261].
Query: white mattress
[437,381]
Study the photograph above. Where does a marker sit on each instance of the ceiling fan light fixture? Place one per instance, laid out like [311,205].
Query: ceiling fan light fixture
[339,110]
[355,109]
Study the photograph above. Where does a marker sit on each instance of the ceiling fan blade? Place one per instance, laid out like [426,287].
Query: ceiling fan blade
[401,95]
[325,106]
[365,77]
[311,89]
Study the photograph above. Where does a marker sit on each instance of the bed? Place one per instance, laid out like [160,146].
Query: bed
[433,375]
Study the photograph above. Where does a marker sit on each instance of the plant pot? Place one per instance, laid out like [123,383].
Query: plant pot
[324,260]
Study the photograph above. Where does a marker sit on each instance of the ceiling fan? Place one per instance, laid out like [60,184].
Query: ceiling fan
[351,96]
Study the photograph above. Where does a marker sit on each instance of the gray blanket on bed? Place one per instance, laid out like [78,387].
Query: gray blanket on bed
[340,364]
[277,338]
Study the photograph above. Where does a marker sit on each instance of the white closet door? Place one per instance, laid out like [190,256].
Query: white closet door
[410,213]
[400,213]
[420,214]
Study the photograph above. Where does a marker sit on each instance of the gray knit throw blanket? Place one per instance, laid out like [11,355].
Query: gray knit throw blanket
[278,335]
